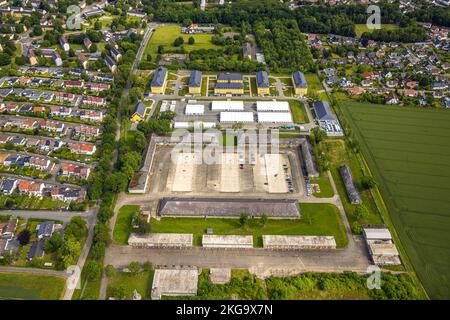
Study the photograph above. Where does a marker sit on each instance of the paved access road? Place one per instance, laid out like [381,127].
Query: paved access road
[63,216]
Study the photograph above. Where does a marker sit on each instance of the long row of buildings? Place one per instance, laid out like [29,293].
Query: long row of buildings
[227,83]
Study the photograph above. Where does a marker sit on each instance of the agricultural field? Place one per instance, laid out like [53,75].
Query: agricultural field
[19,286]
[166,35]
[408,152]
[317,219]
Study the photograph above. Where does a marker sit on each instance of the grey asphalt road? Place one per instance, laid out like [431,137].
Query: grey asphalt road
[33,271]
[63,216]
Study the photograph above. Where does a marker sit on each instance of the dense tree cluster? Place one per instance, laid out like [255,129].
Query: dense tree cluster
[68,247]
[284,46]
[412,33]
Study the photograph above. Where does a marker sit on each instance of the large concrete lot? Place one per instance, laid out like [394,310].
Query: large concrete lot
[186,174]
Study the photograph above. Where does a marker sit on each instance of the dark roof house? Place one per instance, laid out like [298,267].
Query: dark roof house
[45,229]
[196,79]
[140,109]
[349,183]
[299,79]
[262,79]
[323,111]
[36,250]
[159,77]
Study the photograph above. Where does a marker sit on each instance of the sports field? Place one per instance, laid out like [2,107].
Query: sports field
[408,152]
[20,286]
[166,35]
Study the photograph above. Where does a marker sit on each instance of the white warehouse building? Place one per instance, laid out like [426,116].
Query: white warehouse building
[194,109]
[245,117]
[227,105]
[273,106]
[275,117]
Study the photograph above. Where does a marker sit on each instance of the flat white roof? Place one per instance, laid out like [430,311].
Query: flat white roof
[228,105]
[181,125]
[383,248]
[173,282]
[236,117]
[278,106]
[298,241]
[161,239]
[275,117]
[377,234]
[227,240]
[195,109]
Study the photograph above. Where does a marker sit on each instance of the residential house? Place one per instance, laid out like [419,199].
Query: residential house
[110,64]
[139,112]
[115,54]
[36,250]
[82,148]
[60,111]
[7,228]
[74,170]
[87,43]
[91,115]
[45,229]
[93,101]
[31,188]
[7,186]
[64,43]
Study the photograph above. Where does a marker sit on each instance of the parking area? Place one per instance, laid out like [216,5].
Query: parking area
[278,173]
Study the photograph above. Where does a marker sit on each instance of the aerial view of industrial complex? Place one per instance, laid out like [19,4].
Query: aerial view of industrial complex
[224,150]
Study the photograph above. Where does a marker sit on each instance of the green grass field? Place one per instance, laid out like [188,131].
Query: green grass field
[166,35]
[361,28]
[315,87]
[122,229]
[317,219]
[298,111]
[20,286]
[408,152]
[326,190]
[128,282]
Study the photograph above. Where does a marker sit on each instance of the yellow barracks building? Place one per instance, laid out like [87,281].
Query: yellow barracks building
[229,84]
[159,81]
[299,81]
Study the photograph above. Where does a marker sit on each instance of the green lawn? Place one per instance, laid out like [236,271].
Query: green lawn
[315,87]
[20,286]
[408,152]
[166,35]
[122,229]
[227,140]
[298,111]
[128,282]
[326,190]
[317,219]
[361,28]
[289,92]
[23,202]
